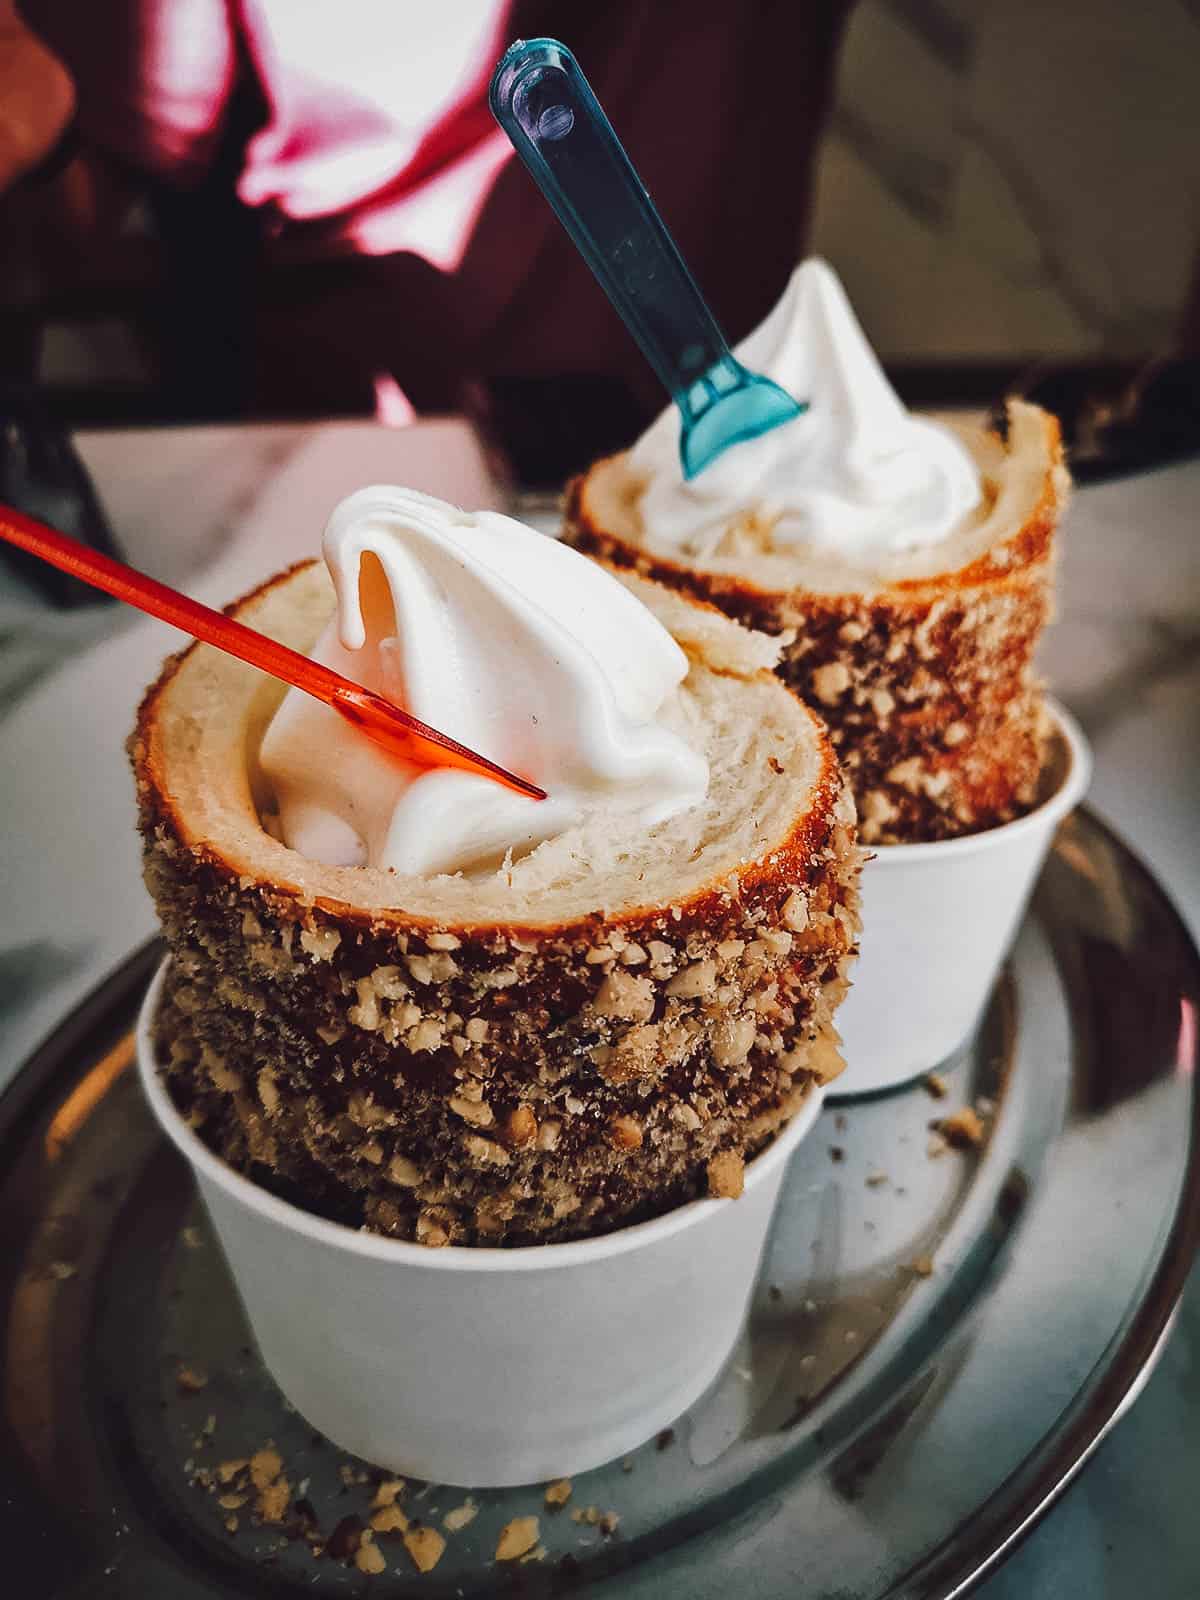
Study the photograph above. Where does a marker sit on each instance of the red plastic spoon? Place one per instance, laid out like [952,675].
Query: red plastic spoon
[390,727]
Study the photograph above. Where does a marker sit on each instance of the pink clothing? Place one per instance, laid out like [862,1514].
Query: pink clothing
[396,234]
[378,135]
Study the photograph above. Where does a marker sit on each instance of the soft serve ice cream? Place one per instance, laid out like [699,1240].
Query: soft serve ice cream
[855,474]
[509,642]
[906,569]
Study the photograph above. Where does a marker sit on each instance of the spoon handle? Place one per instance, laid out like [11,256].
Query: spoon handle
[388,725]
[544,104]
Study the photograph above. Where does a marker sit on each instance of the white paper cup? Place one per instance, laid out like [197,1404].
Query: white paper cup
[486,1367]
[937,922]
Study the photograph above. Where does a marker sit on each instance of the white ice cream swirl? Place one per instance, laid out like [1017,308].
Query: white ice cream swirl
[504,639]
[856,474]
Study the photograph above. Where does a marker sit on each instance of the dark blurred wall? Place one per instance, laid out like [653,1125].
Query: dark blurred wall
[1017,179]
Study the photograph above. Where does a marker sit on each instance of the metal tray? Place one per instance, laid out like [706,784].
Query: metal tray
[883,1430]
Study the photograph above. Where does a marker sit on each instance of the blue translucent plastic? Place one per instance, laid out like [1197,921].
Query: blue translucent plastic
[542,101]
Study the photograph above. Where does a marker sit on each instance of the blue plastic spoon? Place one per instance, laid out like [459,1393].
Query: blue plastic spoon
[544,104]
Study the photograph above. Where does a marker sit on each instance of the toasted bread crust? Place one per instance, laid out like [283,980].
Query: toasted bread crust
[927,685]
[493,1083]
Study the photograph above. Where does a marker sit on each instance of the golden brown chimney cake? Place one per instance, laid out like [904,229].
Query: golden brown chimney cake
[592,1034]
[921,660]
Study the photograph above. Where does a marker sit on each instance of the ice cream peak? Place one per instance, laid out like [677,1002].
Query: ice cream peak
[502,638]
[856,473]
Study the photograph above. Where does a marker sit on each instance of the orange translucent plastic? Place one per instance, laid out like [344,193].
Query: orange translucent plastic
[390,727]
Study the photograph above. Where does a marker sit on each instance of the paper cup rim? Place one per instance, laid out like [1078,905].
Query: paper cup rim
[1072,785]
[448,1258]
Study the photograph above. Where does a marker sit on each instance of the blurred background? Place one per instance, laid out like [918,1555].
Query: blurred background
[279,208]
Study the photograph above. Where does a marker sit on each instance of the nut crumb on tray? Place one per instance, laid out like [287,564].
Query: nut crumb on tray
[517,1538]
[273,1501]
[425,1546]
[606,1521]
[460,1516]
[389,1519]
[254,1491]
[345,1539]
[369,1557]
[387,1492]
[962,1128]
[265,1466]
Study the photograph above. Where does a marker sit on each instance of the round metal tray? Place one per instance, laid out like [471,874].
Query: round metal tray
[937,1342]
